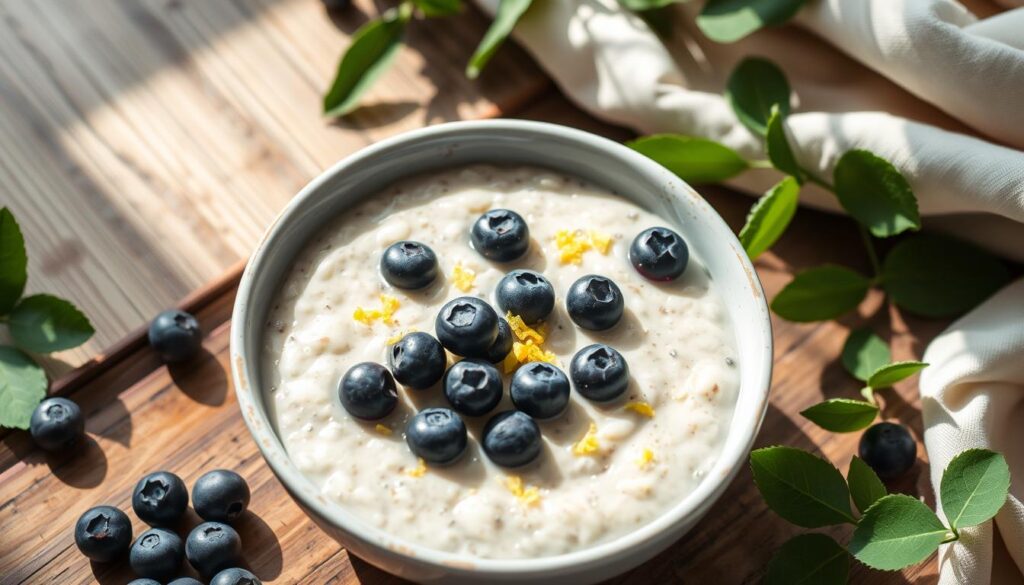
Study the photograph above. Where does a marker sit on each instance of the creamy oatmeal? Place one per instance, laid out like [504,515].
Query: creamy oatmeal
[604,469]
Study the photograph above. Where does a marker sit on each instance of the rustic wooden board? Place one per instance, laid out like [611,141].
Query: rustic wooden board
[144,417]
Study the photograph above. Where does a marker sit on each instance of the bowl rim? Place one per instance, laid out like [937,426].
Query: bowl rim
[254,414]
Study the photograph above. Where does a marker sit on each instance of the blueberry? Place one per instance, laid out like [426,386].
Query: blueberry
[500,235]
[408,265]
[156,554]
[594,303]
[103,533]
[473,387]
[502,343]
[599,372]
[540,390]
[659,253]
[220,495]
[437,435]
[467,326]
[235,576]
[212,547]
[417,360]
[175,336]
[143,581]
[160,498]
[526,293]
[368,391]
[511,439]
[57,424]
[185,581]
[889,449]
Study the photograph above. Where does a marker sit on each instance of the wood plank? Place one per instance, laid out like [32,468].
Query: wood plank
[145,145]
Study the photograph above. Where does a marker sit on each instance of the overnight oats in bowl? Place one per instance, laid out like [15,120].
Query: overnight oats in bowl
[500,362]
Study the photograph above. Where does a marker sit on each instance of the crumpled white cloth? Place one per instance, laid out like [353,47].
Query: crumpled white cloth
[932,86]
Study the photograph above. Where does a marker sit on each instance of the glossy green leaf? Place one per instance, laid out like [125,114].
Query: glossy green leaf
[872,191]
[889,374]
[974,487]
[896,532]
[809,559]
[373,49]
[13,262]
[436,8]
[755,89]
[695,160]
[769,217]
[645,5]
[779,152]
[820,294]
[841,415]
[865,486]
[727,21]
[937,276]
[45,323]
[801,488]
[509,13]
[22,387]
[863,353]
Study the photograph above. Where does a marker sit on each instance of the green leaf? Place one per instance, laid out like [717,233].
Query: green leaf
[13,262]
[863,353]
[805,490]
[809,559]
[644,5]
[889,374]
[779,152]
[509,13]
[22,387]
[841,415]
[694,160]
[435,8]
[974,487]
[898,531]
[374,46]
[727,21]
[865,487]
[821,293]
[769,217]
[875,194]
[45,323]
[936,276]
[755,88]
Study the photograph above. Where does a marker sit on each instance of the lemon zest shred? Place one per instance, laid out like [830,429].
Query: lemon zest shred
[463,278]
[382,429]
[588,445]
[523,331]
[600,241]
[419,470]
[511,362]
[571,245]
[389,305]
[528,495]
[646,458]
[641,408]
[529,352]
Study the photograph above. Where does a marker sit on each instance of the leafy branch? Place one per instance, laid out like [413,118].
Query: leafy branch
[39,323]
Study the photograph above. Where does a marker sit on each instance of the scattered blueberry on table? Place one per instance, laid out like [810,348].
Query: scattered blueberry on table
[185,581]
[437,435]
[540,390]
[599,372]
[103,533]
[368,391]
[417,360]
[57,424]
[526,293]
[220,495]
[500,235]
[473,387]
[235,576]
[144,581]
[659,254]
[212,547]
[594,303]
[512,439]
[160,498]
[157,554]
[888,449]
[175,336]
[408,265]
[467,326]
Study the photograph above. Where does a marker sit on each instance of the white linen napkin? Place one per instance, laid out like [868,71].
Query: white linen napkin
[926,84]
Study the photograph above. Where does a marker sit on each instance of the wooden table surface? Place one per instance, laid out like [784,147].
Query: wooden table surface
[144,147]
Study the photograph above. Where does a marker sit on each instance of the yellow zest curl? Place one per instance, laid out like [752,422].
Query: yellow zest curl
[528,495]
[463,278]
[572,244]
[641,408]
[382,429]
[588,445]
[419,470]
[389,305]
[646,458]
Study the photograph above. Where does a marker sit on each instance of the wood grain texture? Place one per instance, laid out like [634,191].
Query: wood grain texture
[143,417]
[146,144]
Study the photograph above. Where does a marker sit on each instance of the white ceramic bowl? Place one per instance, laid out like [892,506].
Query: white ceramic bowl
[506,142]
